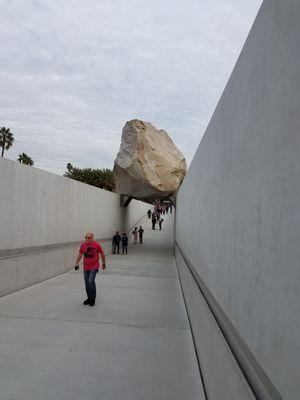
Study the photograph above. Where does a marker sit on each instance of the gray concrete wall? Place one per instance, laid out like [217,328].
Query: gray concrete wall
[43,217]
[238,210]
[135,216]
[222,376]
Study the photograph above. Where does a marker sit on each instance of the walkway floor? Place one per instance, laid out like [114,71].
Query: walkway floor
[134,344]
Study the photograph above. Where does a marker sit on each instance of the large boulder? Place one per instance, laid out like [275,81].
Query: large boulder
[148,164]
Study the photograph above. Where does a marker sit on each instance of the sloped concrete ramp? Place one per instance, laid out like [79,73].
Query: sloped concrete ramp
[134,344]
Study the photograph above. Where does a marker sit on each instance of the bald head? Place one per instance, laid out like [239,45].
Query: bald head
[89,237]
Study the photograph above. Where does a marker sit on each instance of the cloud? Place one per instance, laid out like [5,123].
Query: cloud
[72,73]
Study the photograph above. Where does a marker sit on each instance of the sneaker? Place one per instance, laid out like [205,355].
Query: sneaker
[86,302]
[92,302]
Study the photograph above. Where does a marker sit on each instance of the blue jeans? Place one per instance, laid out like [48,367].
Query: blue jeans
[90,285]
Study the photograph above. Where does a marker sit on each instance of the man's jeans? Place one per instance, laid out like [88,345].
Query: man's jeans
[90,285]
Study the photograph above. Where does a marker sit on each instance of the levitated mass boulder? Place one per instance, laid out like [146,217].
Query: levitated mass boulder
[148,164]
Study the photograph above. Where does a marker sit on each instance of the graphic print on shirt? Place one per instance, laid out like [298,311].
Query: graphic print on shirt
[90,252]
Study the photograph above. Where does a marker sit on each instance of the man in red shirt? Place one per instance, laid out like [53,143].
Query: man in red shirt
[90,251]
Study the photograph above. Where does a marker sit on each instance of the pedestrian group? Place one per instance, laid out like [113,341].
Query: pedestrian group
[91,250]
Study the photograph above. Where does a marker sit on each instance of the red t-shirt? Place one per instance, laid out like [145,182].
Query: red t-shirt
[90,253]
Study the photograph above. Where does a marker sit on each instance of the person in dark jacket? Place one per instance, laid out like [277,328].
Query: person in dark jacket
[116,242]
[153,220]
[124,243]
[141,233]
[160,223]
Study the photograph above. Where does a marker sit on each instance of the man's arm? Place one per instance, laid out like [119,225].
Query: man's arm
[103,260]
[79,256]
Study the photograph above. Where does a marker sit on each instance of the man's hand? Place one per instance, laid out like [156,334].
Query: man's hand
[103,266]
[76,267]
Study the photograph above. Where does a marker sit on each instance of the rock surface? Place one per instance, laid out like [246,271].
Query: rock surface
[148,164]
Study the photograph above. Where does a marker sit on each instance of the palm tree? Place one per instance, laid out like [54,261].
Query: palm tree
[6,139]
[25,159]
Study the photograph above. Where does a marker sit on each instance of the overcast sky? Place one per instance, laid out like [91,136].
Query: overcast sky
[72,72]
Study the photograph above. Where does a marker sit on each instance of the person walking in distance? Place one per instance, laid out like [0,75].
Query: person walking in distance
[135,235]
[153,220]
[149,213]
[160,223]
[116,242]
[90,250]
[124,243]
[141,233]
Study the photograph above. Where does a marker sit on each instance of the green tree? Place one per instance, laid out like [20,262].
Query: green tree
[25,159]
[101,178]
[6,139]
[108,179]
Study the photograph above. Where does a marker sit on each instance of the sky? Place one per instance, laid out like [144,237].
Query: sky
[72,72]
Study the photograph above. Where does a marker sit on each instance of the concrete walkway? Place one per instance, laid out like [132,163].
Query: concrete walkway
[134,344]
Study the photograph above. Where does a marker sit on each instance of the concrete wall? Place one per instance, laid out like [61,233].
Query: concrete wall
[136,215]
[43,217]
[238,210]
